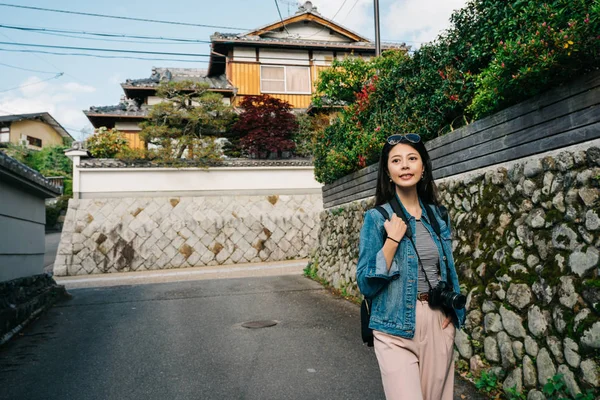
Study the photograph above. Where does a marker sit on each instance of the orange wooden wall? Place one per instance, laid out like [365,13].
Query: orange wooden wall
[246,77]
[133,139]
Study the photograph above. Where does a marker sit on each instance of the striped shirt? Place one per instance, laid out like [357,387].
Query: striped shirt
[428,253]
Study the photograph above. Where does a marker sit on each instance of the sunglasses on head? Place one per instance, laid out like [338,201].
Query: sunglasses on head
[407,137]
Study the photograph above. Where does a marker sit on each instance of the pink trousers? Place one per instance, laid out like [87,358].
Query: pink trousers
[420,368]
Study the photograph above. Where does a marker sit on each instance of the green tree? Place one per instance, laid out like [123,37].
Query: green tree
[189,118]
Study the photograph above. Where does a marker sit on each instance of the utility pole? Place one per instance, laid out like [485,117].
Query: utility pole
[377,37]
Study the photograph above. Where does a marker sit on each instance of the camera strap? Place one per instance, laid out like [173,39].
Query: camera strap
[434,224]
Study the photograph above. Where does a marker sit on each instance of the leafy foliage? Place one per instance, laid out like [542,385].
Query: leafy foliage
[188,114]
[495,54]
[487,383]
[106,143]
[514,394]
[49,161]
[265,125]
[306,135]
[343,79]
[556,389]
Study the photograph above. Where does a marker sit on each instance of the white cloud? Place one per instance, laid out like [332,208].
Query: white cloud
[410,21]
[355,14]
[62,101]
[78,88]
[32,86]
[419,20]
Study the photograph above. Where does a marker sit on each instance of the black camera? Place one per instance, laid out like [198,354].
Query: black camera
[442,296]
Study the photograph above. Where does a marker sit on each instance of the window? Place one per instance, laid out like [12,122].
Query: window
[285,79]
[34,141]
[4,135]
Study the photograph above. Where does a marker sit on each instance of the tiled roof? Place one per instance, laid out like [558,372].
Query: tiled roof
[177,75]
[10,166]
[242,38]
[121,109]
[232,162]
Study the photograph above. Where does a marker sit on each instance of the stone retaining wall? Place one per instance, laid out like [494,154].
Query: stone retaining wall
[526,243]
[132,234]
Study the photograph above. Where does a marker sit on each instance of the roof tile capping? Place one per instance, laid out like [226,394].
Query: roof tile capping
[14,167]
[242,38]
[127,107]
[231,162]
[180,74]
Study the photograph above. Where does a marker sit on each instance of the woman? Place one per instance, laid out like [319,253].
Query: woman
[398,265]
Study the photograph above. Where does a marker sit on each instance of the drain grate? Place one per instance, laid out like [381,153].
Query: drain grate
[259,324]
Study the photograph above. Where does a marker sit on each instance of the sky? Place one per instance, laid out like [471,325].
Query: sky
[65,85]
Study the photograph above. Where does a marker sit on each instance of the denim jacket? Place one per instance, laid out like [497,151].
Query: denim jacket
[394,292]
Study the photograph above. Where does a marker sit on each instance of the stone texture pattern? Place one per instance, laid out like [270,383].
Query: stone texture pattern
[525,243]
[134,234]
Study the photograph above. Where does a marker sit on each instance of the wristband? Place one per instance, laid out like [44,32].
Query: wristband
[393,240]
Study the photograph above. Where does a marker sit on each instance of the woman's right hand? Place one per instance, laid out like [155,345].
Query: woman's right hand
[395,228]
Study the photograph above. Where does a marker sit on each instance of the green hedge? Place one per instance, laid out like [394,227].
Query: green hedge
[495,54]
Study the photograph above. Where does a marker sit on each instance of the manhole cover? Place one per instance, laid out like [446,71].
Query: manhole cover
[258,324]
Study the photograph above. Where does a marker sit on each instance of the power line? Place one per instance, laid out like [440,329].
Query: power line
[121,17]
[34,83]
[339,9]
[351,9]
[103,34]
[103,56]
[109,40]
[149,59]
[46,46]
[323,27]
[280,17]
[27,69]
[46,61]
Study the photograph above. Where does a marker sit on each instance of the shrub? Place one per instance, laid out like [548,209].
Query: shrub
[106,143]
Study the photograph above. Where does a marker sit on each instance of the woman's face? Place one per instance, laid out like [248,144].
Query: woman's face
[405,166]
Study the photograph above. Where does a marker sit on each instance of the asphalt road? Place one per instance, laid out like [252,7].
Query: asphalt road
[185,340]
[52,240]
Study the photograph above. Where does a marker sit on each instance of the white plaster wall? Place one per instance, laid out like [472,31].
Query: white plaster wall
[152,100]
[127,126]
[283,57]
[323,57]
[309,31]
[244,54]
[110,182]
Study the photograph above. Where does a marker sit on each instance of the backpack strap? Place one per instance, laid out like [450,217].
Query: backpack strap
[399,212]
[386,216]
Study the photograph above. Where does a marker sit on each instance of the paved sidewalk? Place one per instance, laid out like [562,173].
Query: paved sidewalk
[250,270]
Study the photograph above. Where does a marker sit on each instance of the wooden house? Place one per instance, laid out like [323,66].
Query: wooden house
[282,59]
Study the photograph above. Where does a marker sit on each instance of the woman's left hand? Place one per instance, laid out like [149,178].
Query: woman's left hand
[446,322]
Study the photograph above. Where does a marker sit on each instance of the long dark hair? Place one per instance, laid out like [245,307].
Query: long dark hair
[426,188]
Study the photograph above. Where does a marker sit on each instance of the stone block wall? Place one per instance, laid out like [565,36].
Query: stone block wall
[526,245]
[134,234]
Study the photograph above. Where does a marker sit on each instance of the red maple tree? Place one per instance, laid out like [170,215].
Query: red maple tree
[266,125]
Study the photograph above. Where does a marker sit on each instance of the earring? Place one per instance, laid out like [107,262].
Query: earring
[423,176]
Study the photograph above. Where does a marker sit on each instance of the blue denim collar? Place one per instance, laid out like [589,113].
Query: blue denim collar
[424,214]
